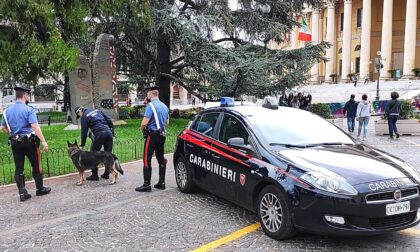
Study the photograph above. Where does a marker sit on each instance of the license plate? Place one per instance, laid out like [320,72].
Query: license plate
[398,208]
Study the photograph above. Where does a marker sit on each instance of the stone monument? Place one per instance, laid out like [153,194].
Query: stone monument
[80,85]
[105,97]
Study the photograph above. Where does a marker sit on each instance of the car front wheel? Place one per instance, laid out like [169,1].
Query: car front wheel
[274,213]
[184,176]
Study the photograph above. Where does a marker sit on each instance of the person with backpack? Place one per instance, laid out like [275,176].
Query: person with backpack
[392,111]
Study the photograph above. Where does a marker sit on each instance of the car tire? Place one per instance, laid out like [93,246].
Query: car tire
[184,176]
[275,214]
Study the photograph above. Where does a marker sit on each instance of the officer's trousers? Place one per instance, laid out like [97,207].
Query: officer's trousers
[104,139]
[26,148]
[154,143]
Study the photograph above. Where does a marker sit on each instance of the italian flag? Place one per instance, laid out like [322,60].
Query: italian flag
[304,33]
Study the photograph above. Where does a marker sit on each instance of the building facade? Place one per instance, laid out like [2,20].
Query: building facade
[357,30]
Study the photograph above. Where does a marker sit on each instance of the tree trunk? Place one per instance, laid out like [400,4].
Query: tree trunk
[163,65]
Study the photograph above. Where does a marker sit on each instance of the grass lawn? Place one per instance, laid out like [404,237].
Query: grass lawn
[128,146]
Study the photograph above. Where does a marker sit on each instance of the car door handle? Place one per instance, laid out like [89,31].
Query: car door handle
[215,155]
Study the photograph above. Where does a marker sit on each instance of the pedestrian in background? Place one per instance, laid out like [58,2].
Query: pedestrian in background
[364,111]
[366,80]
[283,100]
[354,79]
[290,100]
[392,111]
[25,135]
[295,102]
[350,109]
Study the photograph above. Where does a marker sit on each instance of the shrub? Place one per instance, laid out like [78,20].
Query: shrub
[321,109]
[406,109]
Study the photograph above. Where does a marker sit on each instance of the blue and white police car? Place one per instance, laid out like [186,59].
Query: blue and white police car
[297,171]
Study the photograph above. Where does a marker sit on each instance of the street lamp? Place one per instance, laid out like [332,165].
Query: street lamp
[378,66]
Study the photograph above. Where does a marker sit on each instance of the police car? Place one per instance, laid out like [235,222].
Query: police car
[297,171]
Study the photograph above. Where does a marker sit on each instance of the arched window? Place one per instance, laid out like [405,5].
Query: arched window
[340,50]
[357,48]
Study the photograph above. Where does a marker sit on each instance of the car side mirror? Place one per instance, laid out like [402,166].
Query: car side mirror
[236,142]
[239,144]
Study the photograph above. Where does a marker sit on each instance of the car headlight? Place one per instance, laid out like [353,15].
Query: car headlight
[329,182]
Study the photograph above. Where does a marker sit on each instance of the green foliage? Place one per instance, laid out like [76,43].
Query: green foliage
[132,112]
[184,114]
[35,37]
[416,71]
[406,109]
[321,109]
[238,63]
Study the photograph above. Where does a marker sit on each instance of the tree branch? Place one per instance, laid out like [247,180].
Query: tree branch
[240,41]
[173,62]
[177,71]
[181,83]
[179,66]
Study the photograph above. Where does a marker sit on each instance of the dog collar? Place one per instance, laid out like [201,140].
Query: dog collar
[74,152]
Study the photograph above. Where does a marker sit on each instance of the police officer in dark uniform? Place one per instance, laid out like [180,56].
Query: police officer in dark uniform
[102,132]
[25,135]
[155,119]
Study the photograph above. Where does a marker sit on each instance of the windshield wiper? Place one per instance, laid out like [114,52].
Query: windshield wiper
[305,145]
[290,145]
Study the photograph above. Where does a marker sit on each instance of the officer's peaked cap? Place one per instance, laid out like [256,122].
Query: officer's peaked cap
[152,88]
[22,88]
[77,110]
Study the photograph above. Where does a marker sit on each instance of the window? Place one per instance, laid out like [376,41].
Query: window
[342,22]
[357,65]
[232,127]
[7,91]
[206,124]
[359,17]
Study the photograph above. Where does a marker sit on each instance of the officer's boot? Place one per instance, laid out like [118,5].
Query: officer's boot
[20,182]
[161,183]
[94,175]
[147,175]
[40,188]
[105,175]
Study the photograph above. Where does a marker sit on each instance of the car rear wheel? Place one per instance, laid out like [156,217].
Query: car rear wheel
[184,175]
[274,213]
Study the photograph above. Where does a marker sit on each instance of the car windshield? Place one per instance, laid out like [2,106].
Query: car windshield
[297,128]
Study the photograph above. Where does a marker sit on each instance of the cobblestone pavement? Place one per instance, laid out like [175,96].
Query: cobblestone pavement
[100,217]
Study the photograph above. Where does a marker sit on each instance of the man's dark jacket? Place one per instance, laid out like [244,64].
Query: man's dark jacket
[350,108]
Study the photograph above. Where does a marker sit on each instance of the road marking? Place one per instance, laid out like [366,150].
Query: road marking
[411,232]
[228,238]
[409,141]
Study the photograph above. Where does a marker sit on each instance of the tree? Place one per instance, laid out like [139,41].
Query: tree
[31,44]
[213,50]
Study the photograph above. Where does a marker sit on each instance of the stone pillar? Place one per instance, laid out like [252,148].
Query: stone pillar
[315,39]
[80,85]
[410,39]
[386,41]
[346,54]
[329,66]
[105,97]
[365,40]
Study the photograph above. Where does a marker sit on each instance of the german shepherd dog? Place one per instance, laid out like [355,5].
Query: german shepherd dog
[86,160]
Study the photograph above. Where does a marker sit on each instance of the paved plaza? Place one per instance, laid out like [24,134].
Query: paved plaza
[100,217]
